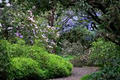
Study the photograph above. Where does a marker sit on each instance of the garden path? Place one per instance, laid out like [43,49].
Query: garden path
[79,72]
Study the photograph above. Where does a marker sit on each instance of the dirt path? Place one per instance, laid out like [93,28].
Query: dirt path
[79,72]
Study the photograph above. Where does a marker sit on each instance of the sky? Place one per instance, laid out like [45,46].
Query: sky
[5,1]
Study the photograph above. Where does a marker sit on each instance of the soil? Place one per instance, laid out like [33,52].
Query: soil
[77,73]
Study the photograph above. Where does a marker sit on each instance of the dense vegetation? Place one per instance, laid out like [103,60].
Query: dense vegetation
[31,62]
[41,39]
[108,58]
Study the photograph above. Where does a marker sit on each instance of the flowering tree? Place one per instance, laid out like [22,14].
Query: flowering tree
[108,9]
[15,22]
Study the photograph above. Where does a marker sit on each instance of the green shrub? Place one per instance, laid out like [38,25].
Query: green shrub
[80,60]
[23,68]
[23,57]
[71,48]
[106,55]
[4,59]
[104,52]
[55,66]
[18,50]
[58,67]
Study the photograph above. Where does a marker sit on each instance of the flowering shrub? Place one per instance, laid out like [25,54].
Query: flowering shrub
[49,36]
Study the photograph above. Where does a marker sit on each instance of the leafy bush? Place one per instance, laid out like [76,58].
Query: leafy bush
[28,60]
[58,67]
[55,66]
[81,60]
[4,59]
[25,68]
[20,50]
[107,55]
[76,40]
[74,48]
[104,52]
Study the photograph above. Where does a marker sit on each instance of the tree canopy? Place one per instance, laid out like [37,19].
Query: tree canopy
[109,13]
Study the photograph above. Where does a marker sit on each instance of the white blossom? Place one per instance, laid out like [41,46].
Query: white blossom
[31,19]
[47,40]
[41,30]
[53,28]
[48,26]
[10,27]
[44,30]
[53,43]
[50,46]
[57,34]
[36,26]
[44,36]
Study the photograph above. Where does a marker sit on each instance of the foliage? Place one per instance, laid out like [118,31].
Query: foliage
[103,52]
[58,66]
[71,48]
[109,11]
[25,68]
[49,36]
[78,34]
[27,60]
[4,59]
[95,75]
[81,60]
[107,55]
[86,77]
[109,20]
[22,19]
[55,65]
[76,41]
[103,23]
[21,50]
[17,23]
[68,57]
[108,72]
[20,23]
[40,5]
